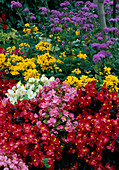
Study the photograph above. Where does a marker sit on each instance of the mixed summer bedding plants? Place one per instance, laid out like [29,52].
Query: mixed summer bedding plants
[59,89]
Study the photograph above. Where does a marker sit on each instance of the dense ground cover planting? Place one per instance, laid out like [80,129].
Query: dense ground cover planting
[59,88]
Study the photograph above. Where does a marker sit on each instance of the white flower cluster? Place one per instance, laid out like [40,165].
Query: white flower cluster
[29,90]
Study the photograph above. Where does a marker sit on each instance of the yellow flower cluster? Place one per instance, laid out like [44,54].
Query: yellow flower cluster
[84,56]
[30,29]
[10,49]
[57,38]
[45,61]
[112,82]
[2,60]
[17,64]
[31,73]
[77,32]
[72,80]
[43,46]
[107,70]
[23,45]
[77,71]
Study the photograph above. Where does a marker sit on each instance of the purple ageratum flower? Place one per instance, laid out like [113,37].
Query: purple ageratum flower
[56,29]
[95,16]
[66,19]
[110,42]
[106,30]
[105,53]
[111,3]
[92,5]
[15,4]
[85,9]
[53,29]
[108,12]
[65,8]
[43,9]
[97,57]
[78,3]
[84,36]
[66,3]
[59,29]
[26,10]
[113,20]
[30,13]
[32,18]
[114,29]
[99,38]
[51,25]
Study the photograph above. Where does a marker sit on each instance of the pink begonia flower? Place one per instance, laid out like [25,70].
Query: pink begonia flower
[63,118]
[66,113]
[59,127]
[56,100]
[6,168]
[75,123]
[68,123]
[71,115]
[54,131]
[53,112]
[41,113]
[38,123]
[52,121]
[23,166]
[4,101]
[35,115]
[45,105]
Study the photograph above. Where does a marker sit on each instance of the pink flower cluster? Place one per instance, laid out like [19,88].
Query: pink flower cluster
[12,162]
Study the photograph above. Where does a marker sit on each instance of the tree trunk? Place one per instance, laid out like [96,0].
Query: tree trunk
[101,16]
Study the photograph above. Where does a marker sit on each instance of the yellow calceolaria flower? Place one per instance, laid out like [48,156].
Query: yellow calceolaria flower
[27,25]
[84,56]
[112,82]
[2,60]
[31,73]
[10,49]
[77,71]
[45,61]
[107,70]
[87,72]
[71,80]
[35,29]
[23,45]
[77,32]
[100,73]
[43,46]
[51,36]
[83,81]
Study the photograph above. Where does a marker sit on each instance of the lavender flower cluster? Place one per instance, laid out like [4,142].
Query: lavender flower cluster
[15,4]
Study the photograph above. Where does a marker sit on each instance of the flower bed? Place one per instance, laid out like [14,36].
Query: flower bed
[59,91]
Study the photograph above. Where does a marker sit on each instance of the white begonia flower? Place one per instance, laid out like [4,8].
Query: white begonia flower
[18,84]
[22,90]
[10,93]
[13,100]
[31,79]
[46,82]
[39,87]
[27,85]
[14,88]
[31,94]
[43,78]
[52,79]
[32,87]
[37,80]
[18,93]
